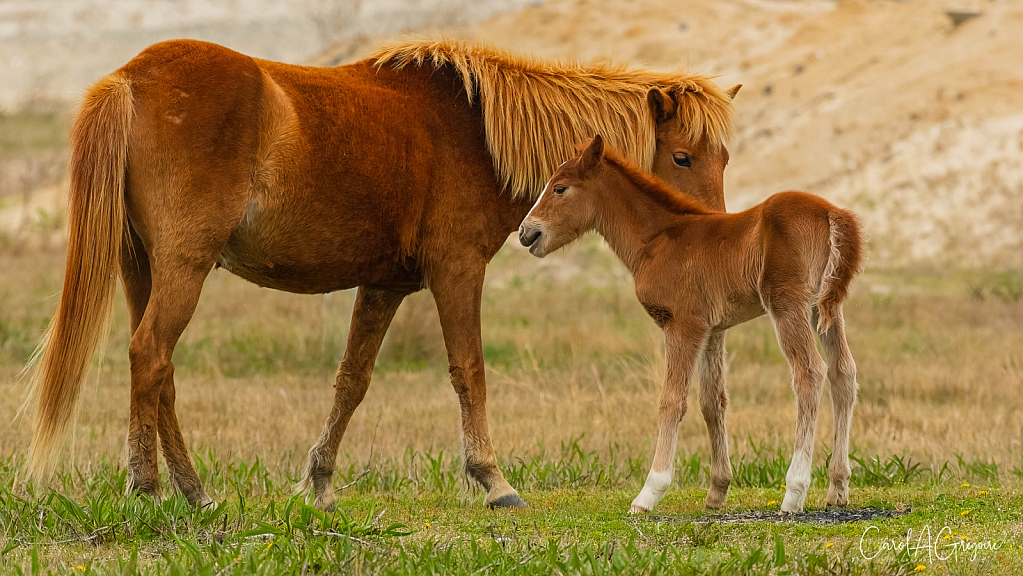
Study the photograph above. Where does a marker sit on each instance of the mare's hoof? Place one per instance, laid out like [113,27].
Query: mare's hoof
[200,500]
[507,501]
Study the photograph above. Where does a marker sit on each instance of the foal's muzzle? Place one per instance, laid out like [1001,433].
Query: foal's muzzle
[528,235]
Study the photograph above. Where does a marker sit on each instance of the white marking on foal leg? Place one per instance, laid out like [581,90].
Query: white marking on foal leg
[808,369]
[797,482]
[657,484]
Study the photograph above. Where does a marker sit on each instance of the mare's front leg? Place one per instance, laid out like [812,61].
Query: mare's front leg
[683,341]
[457,286]
[796,338]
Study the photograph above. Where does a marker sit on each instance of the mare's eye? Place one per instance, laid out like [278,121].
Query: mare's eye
[560,189]
[681,159]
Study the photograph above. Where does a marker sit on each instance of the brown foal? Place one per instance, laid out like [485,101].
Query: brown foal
[699,272]
[406,170]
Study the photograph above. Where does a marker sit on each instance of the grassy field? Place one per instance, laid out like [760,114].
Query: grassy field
[573,368]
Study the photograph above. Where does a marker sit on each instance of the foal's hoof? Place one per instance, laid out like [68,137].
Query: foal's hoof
[716,500]
[637,509]
[837,499]
[507,501]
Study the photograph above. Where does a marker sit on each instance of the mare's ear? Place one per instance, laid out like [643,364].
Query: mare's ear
[733,91]
[661,105]
[592,156]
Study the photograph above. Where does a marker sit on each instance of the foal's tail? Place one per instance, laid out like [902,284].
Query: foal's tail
[844,262]
[96,227]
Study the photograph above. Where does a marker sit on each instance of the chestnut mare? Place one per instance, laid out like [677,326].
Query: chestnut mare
[404,171]
[699,272]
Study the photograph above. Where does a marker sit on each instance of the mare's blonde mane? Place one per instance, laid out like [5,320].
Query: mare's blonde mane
[535,111]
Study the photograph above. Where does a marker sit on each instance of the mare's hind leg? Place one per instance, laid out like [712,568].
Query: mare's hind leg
[137,280]
[374,309]
[175,287]
[842,374]
[796,338]
[713,402]
[457,287]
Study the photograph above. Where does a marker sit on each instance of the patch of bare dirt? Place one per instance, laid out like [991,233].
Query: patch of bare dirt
[827,516]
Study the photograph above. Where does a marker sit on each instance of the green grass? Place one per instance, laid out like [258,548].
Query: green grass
[418,515]
[936,428]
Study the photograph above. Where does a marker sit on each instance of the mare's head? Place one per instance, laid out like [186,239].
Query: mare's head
[567,207]
[696,165]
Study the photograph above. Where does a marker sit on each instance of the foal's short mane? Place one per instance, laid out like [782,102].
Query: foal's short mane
[656,189]
[536,110]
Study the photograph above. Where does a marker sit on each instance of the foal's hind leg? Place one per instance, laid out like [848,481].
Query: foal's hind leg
[797,343]
[374,309]
[713,402]
[842,374]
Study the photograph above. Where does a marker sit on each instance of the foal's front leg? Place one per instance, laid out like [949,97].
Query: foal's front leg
[683,341]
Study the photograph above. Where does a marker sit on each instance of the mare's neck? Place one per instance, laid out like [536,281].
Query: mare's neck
[628,219]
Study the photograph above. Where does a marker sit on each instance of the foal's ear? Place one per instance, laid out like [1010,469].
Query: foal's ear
[733,91]
[661,105]
[592,156]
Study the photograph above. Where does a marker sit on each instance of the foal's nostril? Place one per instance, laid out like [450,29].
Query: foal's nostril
[526,238]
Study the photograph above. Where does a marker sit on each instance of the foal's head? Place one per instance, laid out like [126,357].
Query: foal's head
[567,206]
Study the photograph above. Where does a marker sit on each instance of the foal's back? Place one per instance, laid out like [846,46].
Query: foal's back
[728,266]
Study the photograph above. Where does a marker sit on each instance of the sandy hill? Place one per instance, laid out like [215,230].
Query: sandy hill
[882,106]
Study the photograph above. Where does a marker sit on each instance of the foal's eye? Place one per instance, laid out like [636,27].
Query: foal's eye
[560,189]
[681,159]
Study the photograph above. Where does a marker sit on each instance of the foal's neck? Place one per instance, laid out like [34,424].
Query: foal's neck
[628,217]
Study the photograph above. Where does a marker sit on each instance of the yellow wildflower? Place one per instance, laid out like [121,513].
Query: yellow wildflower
[919,567]
[966,484]
[964,512]
[772,502]
[427,524]
[829,544]
[982,493]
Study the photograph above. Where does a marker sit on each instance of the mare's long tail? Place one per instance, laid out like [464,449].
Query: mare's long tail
[96,225]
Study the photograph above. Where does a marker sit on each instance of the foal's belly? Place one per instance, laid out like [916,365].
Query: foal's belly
[741,316]
[740,309]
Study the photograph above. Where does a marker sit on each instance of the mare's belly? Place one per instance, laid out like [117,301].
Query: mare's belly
[315,260]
